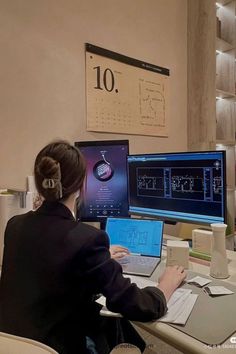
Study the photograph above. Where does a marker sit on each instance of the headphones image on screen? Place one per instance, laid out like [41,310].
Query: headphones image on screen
[102,169]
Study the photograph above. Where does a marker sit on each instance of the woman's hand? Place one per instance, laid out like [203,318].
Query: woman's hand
[171,279]
[118,252]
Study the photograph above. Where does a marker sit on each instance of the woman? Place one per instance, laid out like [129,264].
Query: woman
[54,266]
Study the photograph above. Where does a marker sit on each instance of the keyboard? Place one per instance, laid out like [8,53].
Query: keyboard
[138,260]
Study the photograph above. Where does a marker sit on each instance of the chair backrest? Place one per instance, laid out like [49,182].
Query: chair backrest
[10,344]
[125,348]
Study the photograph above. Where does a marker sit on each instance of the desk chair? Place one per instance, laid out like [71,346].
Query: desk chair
[125,348]
[10,344]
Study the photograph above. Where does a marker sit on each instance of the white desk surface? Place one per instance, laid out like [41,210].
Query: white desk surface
[180,340]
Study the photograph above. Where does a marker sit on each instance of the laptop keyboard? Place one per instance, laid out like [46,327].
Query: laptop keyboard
[138,260]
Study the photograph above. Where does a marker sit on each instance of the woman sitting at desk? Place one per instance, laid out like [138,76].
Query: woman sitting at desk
[54,266]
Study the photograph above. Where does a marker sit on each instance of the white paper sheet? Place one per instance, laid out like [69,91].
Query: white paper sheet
[180,304]
[200,281]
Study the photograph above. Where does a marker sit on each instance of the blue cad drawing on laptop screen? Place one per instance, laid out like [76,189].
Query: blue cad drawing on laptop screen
[142,237]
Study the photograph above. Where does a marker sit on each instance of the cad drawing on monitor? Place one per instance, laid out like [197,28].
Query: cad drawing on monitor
[184,186]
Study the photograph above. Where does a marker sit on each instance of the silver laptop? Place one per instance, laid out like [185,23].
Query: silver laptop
[143,238]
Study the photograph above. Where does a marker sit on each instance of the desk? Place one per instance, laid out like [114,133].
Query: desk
[178,339]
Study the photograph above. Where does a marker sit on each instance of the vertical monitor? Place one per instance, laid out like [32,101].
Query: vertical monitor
[106,191]
[185,186]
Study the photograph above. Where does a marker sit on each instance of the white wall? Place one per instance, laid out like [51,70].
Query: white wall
[42,71]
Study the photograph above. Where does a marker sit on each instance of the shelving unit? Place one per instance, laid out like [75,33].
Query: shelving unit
[225,102]
[224,94]
[211,86]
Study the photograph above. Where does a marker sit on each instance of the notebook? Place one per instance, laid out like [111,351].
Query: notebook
[143,238]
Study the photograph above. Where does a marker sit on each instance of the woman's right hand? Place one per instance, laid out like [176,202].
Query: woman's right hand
[117,251]
[171,279]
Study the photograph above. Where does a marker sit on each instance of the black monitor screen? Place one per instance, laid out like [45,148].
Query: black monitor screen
[106,192]
[189,186]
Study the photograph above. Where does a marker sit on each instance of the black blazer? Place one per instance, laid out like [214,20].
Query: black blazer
[52,268]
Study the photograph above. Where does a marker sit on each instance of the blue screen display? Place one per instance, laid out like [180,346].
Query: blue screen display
[140,236]
[188,186]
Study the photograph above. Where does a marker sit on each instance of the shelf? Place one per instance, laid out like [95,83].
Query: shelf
[222,45]
[223,2]
[230,189]
[224,94]
[226,142]
[217,76]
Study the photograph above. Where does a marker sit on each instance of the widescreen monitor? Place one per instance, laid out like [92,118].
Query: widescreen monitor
[105,192]
[183,186]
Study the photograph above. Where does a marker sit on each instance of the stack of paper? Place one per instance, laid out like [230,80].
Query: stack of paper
[217,290]
[198,281]
[180,306]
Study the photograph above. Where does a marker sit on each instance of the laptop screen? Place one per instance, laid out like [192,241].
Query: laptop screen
[140,236]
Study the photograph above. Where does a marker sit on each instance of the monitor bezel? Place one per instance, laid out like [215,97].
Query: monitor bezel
[179,219]
[90,143]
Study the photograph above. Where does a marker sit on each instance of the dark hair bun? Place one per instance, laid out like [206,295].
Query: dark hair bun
[48,167]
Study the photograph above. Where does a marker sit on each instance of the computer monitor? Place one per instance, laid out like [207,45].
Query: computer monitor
[183,186]
[106,191]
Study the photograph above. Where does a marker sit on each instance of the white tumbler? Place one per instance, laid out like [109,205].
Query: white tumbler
[219,263]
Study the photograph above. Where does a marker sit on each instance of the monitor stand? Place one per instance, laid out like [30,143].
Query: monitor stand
[103,225]
[168,222]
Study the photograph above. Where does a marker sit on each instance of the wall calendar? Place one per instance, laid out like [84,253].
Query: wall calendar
[125,95]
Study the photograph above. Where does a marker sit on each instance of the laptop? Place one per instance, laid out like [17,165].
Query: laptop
[143,238]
